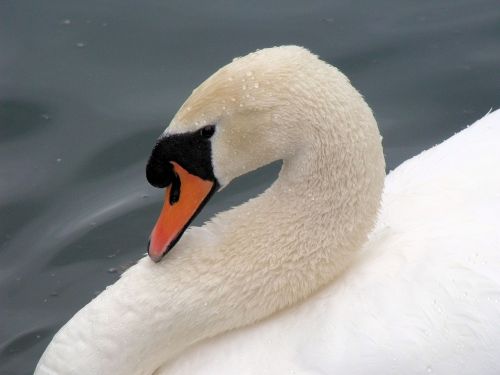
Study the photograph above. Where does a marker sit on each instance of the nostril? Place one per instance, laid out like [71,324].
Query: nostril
[175,190]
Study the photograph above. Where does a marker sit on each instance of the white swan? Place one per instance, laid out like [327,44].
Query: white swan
[421,295]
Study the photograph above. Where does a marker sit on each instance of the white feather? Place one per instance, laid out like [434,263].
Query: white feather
[295,267]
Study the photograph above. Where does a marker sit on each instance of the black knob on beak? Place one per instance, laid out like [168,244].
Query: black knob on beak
[159,171]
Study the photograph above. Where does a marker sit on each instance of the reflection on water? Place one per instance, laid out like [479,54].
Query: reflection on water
[85,88]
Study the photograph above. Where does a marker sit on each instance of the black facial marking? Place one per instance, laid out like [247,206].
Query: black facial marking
[207,131]
[192,151]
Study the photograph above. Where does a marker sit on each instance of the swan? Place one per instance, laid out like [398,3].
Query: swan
[334,269]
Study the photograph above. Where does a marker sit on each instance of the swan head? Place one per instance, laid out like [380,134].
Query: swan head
[269,105]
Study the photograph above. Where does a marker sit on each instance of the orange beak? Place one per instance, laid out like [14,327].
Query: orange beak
[184,199]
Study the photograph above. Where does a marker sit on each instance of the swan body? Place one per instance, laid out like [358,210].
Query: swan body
[301,279]
[422,297]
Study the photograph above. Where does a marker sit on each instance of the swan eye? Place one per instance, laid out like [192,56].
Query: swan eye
[207,131]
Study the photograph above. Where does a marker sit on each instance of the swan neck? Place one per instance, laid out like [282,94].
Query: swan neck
[242,266]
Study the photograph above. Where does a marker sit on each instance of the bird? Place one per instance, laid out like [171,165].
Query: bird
[335,268]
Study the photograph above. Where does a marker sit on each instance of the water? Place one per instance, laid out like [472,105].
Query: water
[86,87]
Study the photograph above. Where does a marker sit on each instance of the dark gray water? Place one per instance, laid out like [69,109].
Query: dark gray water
[87,86]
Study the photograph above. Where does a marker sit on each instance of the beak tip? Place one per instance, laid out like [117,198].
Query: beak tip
[154,256]
[155,259]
